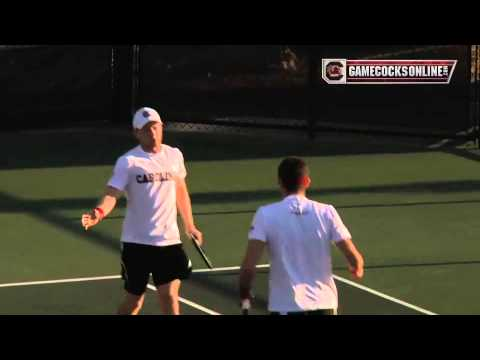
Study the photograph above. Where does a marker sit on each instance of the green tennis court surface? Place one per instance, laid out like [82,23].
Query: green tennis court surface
[206,293]
[413,212]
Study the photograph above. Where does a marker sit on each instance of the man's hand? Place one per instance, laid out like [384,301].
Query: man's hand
[247,272]
[246,294]
[91,219]
[353,256]
[193,231]
[106,205]
[357,272]
[246,304]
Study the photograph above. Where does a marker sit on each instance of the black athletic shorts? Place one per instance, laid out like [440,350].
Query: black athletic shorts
[313,312]
[165,263]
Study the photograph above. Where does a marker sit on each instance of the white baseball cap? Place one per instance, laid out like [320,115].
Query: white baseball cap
[143,116]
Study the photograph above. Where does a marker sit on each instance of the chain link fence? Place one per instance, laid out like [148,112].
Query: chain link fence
[280,87]
[54,86]
[241,88]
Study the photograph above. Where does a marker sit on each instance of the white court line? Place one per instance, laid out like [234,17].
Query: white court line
[96,278]
[60,281]
[382,295]
[339,278]
[191,303]
[201,271]
[110,277]
[262,266]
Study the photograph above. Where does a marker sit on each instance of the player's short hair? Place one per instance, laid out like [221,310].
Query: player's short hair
[290,172]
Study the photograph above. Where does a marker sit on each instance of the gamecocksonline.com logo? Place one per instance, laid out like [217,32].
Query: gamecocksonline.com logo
[344,71]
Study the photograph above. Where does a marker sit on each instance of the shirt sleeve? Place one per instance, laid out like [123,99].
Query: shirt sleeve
[119,178]
[182,171]
[338,231]
[258,229]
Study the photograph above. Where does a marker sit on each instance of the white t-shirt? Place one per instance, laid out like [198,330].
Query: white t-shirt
[298,233]
[148,181]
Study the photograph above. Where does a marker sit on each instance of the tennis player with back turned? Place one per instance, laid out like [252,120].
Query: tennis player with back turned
[298,233]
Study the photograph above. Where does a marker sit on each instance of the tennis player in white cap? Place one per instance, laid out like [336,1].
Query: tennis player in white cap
[152,175]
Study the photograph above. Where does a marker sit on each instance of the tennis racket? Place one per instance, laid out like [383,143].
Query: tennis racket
[201,252]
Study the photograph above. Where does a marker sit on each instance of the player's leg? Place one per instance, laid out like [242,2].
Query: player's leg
[131,305]
[135,273]
[168,297]
[171,266]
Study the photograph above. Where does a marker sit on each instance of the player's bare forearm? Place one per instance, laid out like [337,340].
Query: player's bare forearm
[109,200]
[103,208]
[245,282]
[353,257]
[249,266]
[184,206]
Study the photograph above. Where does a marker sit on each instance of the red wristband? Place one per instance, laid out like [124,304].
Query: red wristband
[102,214]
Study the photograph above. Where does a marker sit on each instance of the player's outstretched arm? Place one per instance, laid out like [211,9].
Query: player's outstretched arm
[353,256]
[104,207]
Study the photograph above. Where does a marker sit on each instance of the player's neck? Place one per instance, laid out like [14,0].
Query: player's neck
[155,149]
[301,193]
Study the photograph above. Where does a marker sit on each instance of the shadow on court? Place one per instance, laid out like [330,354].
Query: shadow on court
[44,211]
[408,265]
[473,155]
[108,242]
[388,205]
[103,146]
[11,204]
